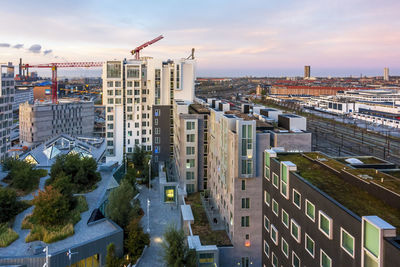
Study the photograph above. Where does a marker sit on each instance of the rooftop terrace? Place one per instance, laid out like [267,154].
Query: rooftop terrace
[349,195]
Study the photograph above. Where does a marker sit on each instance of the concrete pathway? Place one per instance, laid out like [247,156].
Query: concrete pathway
[161,215]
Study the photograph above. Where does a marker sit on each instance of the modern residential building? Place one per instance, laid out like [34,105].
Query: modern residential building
[320,211]
[22,95]
[6,107]
[132,89]
[41,120]
[307,72]
[191,144]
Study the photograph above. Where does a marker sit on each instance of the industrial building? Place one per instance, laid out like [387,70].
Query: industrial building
[138,95]
[6,107]
[39,121]
[321,211]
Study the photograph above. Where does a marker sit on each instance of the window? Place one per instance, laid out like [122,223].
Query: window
[275,207]
[118,101]
[157,140]
[274,234]
[285,218]
[189,175]
[245,221]
[189,150]
[245,203]
[296,198]
[156,112]
[285,248]
[284,181]
[310,210]
[245,261]
[190,125]
[156,130]
[347,242]
[266,223]
[129,84]
[190,138]
[113,69]
[371,242]
[274,260]
[109,92]
[267,198]
[189,163]
[295,260]
[309,245]
[325,261]
[295,230]
[275,179]
[243,185]
[110,84]
[247,167]
[247,140]
[266,173]
[132,72]
[190,188]
[325,224]
[118,84]
[266,249]
[157,149]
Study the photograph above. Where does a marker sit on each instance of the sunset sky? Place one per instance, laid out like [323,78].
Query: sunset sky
[231,38]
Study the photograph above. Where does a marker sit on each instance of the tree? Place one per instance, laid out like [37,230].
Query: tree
[51,207]
[63,184]
[136,239]
[23,175]
[111,259]
[176,251]
[119,207]
[9,205]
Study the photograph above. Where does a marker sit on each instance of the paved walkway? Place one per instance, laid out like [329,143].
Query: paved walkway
[161,215]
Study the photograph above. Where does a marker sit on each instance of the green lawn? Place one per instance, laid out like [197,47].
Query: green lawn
[201,226]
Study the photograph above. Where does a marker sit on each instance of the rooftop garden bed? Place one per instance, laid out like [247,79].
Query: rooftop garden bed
[54,231]
[7,235]
[201,226]
[388,181]
[350,196]
[365,160]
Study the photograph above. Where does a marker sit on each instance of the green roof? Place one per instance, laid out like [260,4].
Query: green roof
[352,197]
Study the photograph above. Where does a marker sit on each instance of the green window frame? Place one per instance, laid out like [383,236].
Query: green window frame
[310,210]
[284,181]
[309,245]
[325,224]
[285,218]
[275,180]
[296,198]
[274,234]
[347,242]
[325,260]
[274,260]
[267,198]
[266,249]
[285,247]
[275,207]
[295,230]
[295,260]
[371,238]
[266,223]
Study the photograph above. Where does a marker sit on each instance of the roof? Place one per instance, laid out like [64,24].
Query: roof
[45,154]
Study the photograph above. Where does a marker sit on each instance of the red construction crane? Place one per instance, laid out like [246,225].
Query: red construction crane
[55,66]
[136,51]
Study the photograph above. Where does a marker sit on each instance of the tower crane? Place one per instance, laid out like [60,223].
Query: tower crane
[136,51]
[55,66]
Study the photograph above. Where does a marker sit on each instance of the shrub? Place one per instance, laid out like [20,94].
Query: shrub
[111,259]
[7,235]
[49,234]
[176,251]
[9,205]
[23,176]
[51,207]
[136,240]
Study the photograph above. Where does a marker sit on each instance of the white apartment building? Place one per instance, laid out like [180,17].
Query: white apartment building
[131,89]
[6,103]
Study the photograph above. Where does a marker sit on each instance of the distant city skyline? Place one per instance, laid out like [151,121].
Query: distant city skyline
[231,38]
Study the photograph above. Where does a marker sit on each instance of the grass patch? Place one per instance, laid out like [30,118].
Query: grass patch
[201,226]
[7,235]
[352,197]
[57,232]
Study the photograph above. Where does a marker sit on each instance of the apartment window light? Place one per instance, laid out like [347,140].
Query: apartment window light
[347,242]
[285,218]
[275,207]
[266,249]
[266,223]
[309,245]
[295,230]
[310,210]
[285,248]
[296,198]
[325,260]
[325,224]
[275,180]
[274,234]
[295,260]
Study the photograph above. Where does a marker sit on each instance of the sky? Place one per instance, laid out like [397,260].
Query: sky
[231,38]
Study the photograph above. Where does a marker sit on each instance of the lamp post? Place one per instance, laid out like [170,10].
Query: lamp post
[46,249]
[148,215]
[69,254]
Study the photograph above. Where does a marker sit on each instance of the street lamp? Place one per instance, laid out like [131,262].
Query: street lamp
[69,254]
[46,249]
[148,215]
[149,173]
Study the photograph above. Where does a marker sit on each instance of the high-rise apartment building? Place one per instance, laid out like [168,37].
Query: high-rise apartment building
[191,144]
[319,211]
[6,107]
[138,96]
[41,120]
[307,71]
[386,74]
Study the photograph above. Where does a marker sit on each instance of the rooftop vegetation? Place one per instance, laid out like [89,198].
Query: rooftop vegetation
[201,225]
[352,197]
[7,235]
